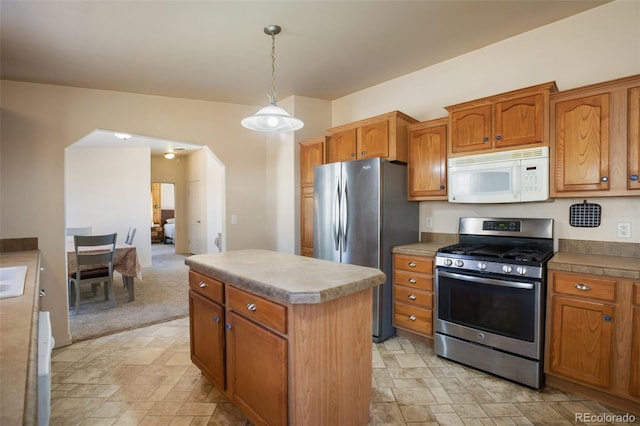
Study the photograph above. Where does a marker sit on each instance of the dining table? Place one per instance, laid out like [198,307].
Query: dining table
[125,261]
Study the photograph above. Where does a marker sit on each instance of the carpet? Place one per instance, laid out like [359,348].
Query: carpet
[161,295]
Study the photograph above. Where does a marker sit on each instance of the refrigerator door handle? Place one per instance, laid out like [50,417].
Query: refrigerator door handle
[344,219]
[336,218]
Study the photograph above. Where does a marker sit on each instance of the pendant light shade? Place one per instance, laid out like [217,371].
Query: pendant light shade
[272,118]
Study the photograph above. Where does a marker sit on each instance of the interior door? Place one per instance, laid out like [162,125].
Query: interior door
[197,231]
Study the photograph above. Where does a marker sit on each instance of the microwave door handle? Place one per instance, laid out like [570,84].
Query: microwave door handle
[491,281]
[515,181]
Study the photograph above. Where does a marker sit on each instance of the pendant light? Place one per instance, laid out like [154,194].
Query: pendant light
[272,118]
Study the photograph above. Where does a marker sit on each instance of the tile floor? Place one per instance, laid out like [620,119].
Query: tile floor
[145,377]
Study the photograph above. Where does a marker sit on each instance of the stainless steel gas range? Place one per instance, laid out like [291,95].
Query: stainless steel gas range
[490,296]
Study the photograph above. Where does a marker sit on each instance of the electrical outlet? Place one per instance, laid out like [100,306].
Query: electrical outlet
[624,229]
[428,222]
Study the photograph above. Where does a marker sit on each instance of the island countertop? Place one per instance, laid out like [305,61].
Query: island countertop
[285,277]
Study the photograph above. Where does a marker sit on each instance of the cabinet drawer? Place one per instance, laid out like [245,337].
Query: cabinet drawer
[591,288]
[636,294]
[252,306]
[411,296]
[412,318]
[422,265]
[411,280]
[208,287]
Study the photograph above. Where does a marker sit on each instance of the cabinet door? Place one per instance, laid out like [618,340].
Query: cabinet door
[207,338]
[518,121]
[634,382]
[427,162]
[258,368]
[471,129]
[342,146]
[582,340]
[311,155]
[373,140]
[582,144]
[633,126]
[306,221]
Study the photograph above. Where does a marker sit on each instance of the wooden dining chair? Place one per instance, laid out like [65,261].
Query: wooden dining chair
[94,265]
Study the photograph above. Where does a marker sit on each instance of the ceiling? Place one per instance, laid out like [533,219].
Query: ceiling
[217,50]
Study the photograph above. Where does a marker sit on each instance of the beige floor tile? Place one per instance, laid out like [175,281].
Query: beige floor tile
[145,356]
[417,413]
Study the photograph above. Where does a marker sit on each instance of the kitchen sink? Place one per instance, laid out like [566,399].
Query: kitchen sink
[12,281]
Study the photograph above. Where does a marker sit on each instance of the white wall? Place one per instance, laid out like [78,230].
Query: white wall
[598,45]
[108,189]
[167,196]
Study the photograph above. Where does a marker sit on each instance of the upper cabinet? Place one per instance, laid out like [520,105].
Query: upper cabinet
[427,160]
[594,139]
[501,122]
[312,153]
[381,136]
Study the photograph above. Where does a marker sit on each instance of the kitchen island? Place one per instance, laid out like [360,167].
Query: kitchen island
[286,338]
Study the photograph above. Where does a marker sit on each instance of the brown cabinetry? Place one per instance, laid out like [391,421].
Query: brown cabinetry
[501,122]
[157,234]
[381,136]
[594,139]
[634,381]
[592,331]
[413,294]
[312,153]
[427,159]
[284,363]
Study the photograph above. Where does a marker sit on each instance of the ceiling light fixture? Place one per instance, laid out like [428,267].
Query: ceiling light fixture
[272,118]
[122,136]
[169,155]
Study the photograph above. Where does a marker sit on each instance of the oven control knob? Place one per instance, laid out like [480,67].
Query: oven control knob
[448,262]
[482,266]
[507,269]
[521,270]
[459,263]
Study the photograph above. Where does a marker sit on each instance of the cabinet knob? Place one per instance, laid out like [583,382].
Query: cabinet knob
[412,317]
[412,296]
[362,152]
[412,264]
[353,154]
[228,325]
[633,177]
[202,284]
[499,137]
[441,186]
[412,280]
[251,306]
[582,287]
[216,319]
[604,178]
[607,318]
[485,139]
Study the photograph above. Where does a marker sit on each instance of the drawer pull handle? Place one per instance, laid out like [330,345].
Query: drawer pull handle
[202,284]
[412,280]
[216,319]
[412,317]
[607,318]
[582,287]
[412,297]
[251,306]
[412,264]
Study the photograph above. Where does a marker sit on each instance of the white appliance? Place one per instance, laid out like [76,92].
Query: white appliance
[45,346]
[500,177]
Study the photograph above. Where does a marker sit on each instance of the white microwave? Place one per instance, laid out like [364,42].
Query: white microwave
[500,177]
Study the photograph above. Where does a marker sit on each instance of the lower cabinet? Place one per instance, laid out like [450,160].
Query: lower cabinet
[413,294]
[284,364]
[592,337]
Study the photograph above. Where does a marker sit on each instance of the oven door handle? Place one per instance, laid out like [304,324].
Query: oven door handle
[491,281]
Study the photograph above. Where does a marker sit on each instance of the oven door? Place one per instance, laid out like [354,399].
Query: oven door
[503,313]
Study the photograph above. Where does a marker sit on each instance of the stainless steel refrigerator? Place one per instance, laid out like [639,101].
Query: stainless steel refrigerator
[360,211]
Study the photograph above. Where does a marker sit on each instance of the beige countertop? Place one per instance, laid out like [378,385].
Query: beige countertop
[18,344]
[285,277]
[418,249]
[614,266]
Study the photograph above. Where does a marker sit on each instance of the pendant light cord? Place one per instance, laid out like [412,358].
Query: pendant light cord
[273,69]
